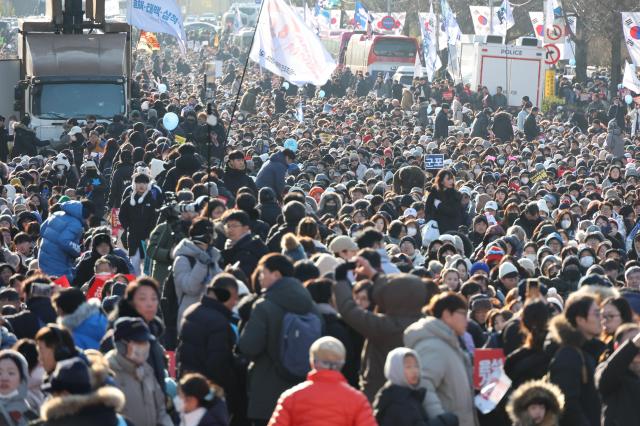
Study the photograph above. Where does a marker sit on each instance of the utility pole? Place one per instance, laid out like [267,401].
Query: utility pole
[388,7]
[490,16]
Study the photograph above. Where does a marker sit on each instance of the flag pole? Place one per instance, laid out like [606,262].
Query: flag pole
[244,70]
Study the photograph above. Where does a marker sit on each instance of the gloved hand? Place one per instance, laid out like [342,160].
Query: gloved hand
[341,271]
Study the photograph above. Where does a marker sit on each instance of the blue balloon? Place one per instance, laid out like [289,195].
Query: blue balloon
[321,94]
[170,121]
[291,144]
[628,99]
[572,62]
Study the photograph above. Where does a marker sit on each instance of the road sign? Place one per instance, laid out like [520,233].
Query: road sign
[388,23]
[549,83]
[555,33]
[552,55]
[433,161]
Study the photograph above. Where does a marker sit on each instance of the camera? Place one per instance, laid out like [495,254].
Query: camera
[41,289]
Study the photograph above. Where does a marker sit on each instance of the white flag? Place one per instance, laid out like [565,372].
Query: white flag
[429,42]
[287,47]
[630,79]
[631,29]
[449,23]
[502,19]
[537,22]
[158,17]
[480,19]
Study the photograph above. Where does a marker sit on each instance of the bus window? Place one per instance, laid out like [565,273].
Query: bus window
[395,47]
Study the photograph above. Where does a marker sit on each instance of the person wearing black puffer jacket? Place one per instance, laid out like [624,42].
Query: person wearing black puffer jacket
[120,178]
[39,310]
[444,203]
[399,401]
[186,165]
[235,174]
[294,212]
[268,206]
[207,338]
[141,300]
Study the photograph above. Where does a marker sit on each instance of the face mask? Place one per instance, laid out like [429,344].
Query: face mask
[533,258]
[565,224]
[571,274]
[586,261]
[606,229]
[411,232]
[178,403]
[138,353]
[524,181]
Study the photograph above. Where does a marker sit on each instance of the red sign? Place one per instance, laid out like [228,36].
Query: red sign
[487,364]
[98,282]
[552,54]
[62,282]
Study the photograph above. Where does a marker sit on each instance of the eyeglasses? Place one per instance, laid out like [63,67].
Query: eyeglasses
[461,312]
[609,317]
[232,225]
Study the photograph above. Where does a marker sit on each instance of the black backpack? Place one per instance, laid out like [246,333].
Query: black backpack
[169,305]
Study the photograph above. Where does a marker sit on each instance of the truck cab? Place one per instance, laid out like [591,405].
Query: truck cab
[72,75]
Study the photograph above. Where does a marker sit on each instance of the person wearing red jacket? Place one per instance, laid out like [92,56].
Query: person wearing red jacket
[325,398]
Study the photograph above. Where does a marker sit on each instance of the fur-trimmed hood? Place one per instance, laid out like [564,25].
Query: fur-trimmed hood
[69,405]
[84,311]
[563,333]
[536,391]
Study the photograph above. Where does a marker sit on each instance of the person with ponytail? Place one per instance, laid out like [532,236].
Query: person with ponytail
[200,403]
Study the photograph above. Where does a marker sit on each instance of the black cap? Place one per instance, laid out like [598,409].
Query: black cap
[131,329]
[445,106]
[71,375]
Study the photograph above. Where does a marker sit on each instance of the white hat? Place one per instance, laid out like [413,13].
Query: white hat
[505,269]
[466,190]
[157,166]
[491,205]
[528,265]
[542,206]
[410,212]
[74,131]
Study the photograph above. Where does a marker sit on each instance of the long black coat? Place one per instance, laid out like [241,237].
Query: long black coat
[442,126]
[619,387]
[25,142]
[400,406]
[502,127]
[531,129]
[140,218]
[448,212]
[235,179]
[206,342]
[120,179]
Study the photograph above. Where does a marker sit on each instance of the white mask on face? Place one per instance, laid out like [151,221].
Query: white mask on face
[586,261]
[178,404]
[532,257]
[138,352]
[565,224]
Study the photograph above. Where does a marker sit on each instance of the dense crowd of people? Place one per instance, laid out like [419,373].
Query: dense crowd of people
[292,260]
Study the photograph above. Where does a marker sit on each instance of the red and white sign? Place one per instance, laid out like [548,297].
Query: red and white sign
[487,365]
[552,54]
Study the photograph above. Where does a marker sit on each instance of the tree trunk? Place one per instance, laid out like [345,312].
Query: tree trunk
[616,56]
[582,51]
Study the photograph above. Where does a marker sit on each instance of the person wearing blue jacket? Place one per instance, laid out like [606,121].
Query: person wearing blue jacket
[85,320]
[273,172]
[61,234]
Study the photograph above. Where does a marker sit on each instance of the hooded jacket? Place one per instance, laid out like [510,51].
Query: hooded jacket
[572,368]
[235,179]
[120,179]
[61,234]
[398,403]
[446,372]
[272,174]
[87,325]
[138,215]
[191,281]
[615,143]
[268,206]
[401,298]
[537,391]
[25,141]
[98,408]
[260,342]
[185,165]
[15,411]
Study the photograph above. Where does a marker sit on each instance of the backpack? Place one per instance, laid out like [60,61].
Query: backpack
[297,334]
[169,305]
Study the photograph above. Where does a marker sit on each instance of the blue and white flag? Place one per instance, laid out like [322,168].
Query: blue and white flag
[362,17]
[429,42]
[287,47]
[449,23]
[158,16]
[300,113]
[631,31]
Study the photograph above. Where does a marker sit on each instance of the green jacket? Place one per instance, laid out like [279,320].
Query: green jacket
[162,241]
